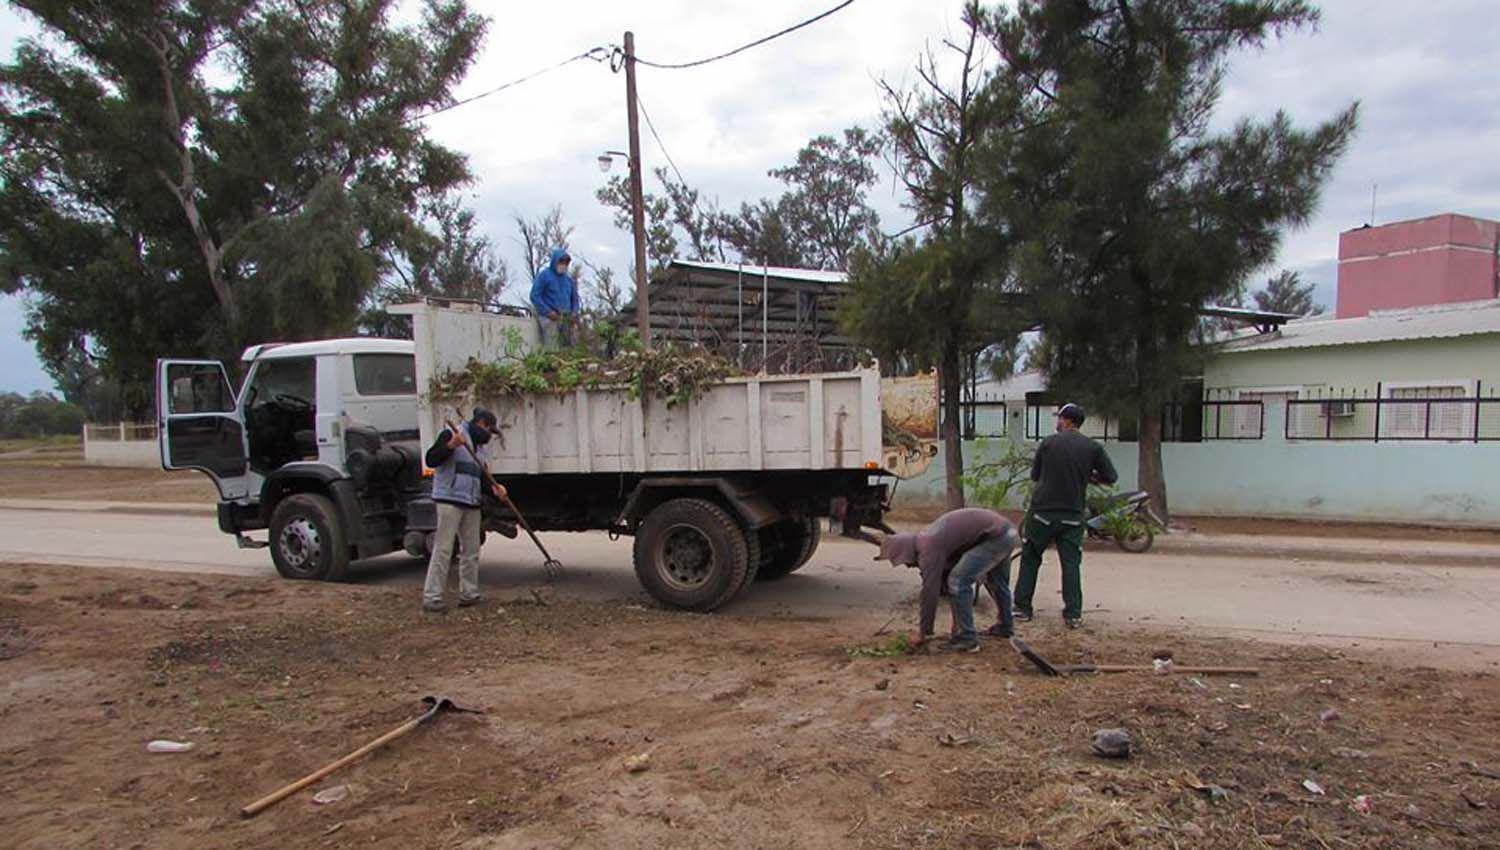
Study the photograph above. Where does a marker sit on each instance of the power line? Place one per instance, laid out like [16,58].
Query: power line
[598,54]
[691,193]
[652,127]
[773,36]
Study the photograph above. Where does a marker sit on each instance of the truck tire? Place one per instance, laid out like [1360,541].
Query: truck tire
[754,560]
[307,541]
[690,554]
[799,540]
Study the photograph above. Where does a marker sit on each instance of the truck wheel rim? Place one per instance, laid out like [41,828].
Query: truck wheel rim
[685,557]
[299,543]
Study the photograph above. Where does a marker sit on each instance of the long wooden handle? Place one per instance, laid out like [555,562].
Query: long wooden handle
[526,525]
[1176,668]
[277,796]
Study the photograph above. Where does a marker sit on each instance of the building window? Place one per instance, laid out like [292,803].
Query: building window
[1426,416]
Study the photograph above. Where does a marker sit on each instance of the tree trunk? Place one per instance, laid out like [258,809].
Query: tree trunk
[184,187]
[950,376]
[1151,477]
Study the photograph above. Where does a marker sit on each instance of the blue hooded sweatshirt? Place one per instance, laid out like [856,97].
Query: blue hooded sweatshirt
[553,291]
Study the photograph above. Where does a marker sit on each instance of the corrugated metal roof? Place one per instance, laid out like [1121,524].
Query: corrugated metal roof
[809,275]
[1441,321]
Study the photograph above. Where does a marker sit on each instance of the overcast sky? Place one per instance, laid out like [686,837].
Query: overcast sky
[1425,75]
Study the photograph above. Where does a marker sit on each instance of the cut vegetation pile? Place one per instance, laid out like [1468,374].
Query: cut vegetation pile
[674,374]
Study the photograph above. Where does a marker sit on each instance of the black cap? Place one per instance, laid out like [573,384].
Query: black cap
[486,418]
[1071,412]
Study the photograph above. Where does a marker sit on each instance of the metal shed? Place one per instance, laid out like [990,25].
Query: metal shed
[765,318]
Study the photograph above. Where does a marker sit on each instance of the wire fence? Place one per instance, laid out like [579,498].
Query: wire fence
[1182,422]
[984,419]
[1397,414]
[1456,413]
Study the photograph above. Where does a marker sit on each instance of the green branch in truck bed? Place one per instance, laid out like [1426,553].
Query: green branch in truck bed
[670,373]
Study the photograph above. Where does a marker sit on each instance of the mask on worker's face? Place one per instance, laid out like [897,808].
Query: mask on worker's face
[480,433]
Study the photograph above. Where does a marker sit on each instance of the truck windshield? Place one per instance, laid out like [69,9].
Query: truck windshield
[385,374]
[291,379]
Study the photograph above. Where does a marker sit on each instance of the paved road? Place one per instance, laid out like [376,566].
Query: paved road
[1419,612]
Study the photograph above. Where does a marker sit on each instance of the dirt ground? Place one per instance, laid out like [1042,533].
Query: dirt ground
[33,470]
[758,731]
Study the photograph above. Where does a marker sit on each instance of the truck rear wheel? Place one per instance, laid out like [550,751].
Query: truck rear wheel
[797,541]
[307,542]
[690,554]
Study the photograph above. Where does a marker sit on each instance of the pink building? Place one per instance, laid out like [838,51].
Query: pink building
[1440,259]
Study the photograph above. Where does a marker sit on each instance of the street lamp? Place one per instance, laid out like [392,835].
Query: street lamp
[607,159]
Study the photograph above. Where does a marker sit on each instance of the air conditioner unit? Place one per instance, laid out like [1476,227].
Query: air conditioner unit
[1338,409]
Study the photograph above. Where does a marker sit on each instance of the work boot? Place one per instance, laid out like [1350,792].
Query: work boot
[1023,614]
[959,645]
[434,608]
[467,601]
[999,631]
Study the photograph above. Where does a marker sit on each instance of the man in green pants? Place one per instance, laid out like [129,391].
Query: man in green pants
[1064,465]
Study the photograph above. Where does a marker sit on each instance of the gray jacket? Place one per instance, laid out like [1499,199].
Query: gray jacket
[457,477]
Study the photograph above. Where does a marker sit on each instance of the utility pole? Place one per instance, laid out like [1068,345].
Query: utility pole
[637,201]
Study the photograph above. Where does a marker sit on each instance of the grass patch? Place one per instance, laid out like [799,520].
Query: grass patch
[898,645]
[57,442]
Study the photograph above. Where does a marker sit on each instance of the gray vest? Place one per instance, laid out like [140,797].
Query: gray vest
[458,480]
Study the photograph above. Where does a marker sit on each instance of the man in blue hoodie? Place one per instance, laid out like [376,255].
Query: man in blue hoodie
[554,296]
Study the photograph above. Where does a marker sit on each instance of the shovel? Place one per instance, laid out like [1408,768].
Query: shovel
[437,703]
[1051,669]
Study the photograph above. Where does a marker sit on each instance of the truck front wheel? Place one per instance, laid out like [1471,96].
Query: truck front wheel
[690,554]
[307,542]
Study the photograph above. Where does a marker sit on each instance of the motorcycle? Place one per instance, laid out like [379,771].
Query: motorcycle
[1126,518]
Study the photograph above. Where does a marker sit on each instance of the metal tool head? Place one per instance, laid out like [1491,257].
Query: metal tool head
[552,569]
[1031,655]
[441,702]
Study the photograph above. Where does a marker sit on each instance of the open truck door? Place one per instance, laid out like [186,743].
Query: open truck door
[199,425]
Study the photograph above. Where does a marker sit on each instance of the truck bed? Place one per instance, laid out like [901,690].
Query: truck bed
[823,421]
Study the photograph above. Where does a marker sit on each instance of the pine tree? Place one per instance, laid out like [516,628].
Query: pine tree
[1286,293]
[1132,212]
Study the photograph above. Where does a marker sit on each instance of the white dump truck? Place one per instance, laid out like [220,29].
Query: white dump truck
[726,489]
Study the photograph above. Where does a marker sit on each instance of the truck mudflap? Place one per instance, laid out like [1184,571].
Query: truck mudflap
[853,514]
[235,518]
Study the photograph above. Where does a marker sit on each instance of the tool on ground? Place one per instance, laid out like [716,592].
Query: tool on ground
[1031,655]
[437,703]
[1051,669]
[551,567]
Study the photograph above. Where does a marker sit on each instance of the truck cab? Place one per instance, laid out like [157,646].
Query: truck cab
[319,446]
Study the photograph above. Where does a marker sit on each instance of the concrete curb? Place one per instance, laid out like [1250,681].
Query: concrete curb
[1209,547]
